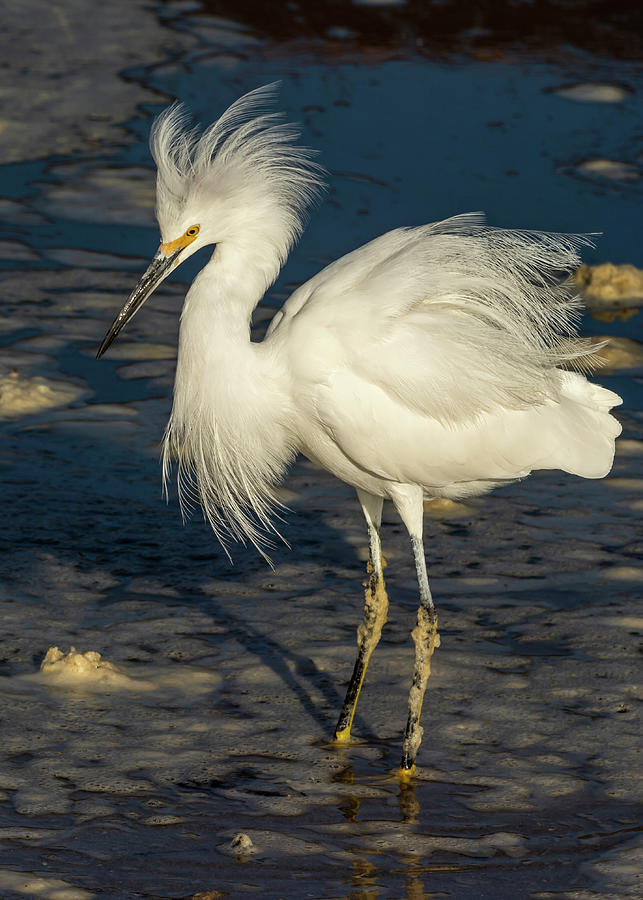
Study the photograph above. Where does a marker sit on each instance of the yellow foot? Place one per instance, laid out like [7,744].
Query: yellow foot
[343,736]
[405,775]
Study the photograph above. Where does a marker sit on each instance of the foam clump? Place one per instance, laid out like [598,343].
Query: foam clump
[31,885]
[241,844]
[90,671]
[613,169]
[619,353]
[87,669]
[610,284]
[22,396]
[594,92]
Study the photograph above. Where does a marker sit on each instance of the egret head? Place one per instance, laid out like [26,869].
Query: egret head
[240,181]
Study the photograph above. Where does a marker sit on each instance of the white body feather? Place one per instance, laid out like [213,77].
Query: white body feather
[429,357]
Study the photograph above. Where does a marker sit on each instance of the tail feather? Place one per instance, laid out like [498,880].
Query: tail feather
[588,428]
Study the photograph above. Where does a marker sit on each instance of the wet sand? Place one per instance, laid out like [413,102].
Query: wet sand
[192,758]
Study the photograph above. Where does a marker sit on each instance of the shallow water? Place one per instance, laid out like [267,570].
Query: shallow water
[138,781]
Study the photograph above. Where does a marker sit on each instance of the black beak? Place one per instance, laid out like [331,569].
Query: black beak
[158,269]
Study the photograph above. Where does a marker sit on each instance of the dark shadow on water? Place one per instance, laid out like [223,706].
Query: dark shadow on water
[89,506]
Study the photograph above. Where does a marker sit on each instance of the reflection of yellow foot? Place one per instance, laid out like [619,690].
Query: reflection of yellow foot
[406,774]
[343,736]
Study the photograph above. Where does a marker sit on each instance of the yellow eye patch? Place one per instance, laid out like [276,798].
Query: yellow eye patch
[181,242]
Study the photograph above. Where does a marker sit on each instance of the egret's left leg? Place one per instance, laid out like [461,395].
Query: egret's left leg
[409,502]
[375,611]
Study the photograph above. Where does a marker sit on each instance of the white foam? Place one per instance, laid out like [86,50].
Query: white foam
[88,669]
[91,672]
[23,396]
[614,169]
[620,353]
[607,285]
[593,92]
[44,888]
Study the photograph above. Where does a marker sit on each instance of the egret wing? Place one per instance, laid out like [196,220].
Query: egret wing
[391,442]
[451,319]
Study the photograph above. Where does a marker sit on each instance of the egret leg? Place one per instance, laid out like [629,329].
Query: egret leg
[425,635]
[375,611]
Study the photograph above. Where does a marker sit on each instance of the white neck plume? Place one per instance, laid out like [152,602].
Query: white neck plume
[230,425]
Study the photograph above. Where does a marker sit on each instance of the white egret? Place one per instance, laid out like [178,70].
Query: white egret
[428,363]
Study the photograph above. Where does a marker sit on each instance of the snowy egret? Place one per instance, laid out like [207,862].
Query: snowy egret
[432,362]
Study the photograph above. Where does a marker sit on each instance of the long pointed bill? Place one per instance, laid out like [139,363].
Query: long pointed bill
[158,269]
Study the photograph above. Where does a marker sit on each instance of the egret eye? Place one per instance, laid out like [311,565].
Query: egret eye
[193,231]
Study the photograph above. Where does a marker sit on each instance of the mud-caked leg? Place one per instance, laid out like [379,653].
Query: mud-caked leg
[375,612]
[426,639]
[409,502]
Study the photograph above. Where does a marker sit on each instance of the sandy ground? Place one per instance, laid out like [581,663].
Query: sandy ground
[181,748]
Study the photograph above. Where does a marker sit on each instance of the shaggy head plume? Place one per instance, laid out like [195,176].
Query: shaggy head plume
[244,161]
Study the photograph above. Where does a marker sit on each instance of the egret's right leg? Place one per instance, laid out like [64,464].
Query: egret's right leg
[409,502]
[375,611]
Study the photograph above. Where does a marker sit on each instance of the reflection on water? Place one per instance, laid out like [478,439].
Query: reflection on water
[213,724]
